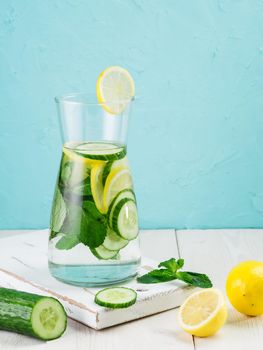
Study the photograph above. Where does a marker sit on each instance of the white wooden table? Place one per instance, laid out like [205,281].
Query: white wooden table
[210,251]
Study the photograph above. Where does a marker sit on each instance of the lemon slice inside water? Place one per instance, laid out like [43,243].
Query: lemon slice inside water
[118,179]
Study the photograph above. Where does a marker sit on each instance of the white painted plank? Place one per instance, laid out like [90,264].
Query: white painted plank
[154,332]
[215,252]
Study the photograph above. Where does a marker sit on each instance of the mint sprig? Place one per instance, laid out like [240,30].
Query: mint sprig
[168,271]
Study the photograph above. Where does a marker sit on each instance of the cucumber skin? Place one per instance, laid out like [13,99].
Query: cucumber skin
[123,245]
[114,305]
[94,252]
[16,309]
[114,201]
[106,157]
[106,171]
[115,215]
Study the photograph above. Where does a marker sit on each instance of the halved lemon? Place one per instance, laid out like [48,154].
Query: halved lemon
[115,89]
[118,179]
[203,313]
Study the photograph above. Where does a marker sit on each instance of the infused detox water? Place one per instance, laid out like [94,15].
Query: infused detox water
[94,221]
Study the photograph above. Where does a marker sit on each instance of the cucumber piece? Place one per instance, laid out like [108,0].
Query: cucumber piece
[113,241]
[97,187]
[101,151]
[116,297]
[106,172]
[125,219]
[112,165]
[103,253]
[127,193]
[59,211]
[31,314]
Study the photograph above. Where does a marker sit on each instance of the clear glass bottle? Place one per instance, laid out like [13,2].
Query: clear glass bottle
[94,222]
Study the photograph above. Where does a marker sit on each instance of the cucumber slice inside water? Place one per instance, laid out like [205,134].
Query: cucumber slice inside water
[119,179]
[103,253]
[97,187]
[113,241]
[100,151]
[113,165]
[127,193]
[106,172]
[125,219]
[116,297]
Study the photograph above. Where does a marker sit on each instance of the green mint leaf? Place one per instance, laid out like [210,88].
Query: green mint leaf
[180,263]
[194,279]
[172,264]
[65,173]
[90,231]
[58,211]
[156,276]
[91,209]
[53,234]
[94,233]
[67,242]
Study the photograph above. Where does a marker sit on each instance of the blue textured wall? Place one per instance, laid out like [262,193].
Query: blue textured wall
[195,140]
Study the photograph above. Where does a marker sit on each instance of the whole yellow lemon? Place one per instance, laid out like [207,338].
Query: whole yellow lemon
[244,287]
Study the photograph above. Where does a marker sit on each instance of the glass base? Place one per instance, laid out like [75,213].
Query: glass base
[94,275]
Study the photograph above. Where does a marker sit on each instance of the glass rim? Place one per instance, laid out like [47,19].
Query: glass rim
[82,98]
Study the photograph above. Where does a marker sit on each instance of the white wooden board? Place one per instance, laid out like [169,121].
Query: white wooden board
[23,266]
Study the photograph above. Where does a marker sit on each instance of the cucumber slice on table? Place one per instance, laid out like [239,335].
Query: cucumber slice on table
[100,151]
[113,241]
[116,297]
[31,314]
[125,219]
[103,253]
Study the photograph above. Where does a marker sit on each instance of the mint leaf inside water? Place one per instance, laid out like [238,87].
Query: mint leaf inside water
[58,211]
[67,242]
[66,172]
[90,230]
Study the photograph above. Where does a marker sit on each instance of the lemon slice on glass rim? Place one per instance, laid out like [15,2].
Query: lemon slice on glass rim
[115,89]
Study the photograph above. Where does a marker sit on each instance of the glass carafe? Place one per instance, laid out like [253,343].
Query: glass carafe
[94,222]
